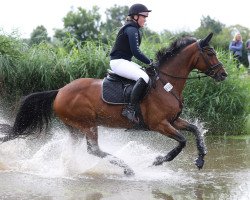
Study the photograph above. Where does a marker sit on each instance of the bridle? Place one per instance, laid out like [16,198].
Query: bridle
[211,71]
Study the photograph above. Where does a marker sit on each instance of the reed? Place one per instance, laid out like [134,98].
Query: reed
[44,67]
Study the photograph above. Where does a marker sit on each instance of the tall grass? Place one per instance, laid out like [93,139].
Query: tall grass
[44,67]
[223,106]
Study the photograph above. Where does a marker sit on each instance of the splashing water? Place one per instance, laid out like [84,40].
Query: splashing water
[62,156]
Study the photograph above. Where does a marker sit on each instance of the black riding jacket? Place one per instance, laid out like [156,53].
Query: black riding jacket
[127,44]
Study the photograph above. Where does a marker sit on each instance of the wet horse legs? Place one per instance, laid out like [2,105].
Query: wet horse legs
[174,152]
[167,129]
[172,131]
[93,148]
[201,147]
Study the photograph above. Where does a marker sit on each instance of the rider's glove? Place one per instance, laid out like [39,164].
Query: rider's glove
[151,64]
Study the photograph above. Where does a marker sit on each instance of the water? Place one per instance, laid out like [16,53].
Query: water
[58,167]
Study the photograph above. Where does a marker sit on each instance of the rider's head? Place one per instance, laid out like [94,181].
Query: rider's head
[138,10]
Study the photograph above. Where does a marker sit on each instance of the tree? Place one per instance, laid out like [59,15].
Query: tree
[39,35]
[244,31]
[211,24]
[115,17]
[208,25]
[82,24]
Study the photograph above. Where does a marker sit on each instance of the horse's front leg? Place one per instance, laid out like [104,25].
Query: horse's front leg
[202,150]
[167,129]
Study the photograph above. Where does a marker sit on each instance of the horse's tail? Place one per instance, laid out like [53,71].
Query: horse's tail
[35,111]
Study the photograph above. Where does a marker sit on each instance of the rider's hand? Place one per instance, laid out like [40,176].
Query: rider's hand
[152,69]
[153,64]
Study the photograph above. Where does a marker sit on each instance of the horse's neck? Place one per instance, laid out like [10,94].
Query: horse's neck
[178,70]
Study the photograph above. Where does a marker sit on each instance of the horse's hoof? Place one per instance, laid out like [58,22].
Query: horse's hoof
[159,160]
[129,172]
[199,162]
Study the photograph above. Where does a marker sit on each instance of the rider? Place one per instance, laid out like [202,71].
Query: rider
[126,46]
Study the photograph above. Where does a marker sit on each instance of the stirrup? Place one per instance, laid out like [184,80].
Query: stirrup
[129,112]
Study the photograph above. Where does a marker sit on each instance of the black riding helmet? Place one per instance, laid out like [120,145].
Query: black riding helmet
[137,9]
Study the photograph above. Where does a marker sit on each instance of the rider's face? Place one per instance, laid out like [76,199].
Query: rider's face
[141,20]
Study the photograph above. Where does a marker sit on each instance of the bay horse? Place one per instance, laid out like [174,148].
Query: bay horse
[80,106]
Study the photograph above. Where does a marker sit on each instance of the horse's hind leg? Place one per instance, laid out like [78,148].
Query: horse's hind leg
[76,134]
[202,151]
[93,148]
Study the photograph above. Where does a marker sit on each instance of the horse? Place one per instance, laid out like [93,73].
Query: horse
[79,104]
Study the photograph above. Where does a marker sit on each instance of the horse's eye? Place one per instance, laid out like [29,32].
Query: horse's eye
[209,53]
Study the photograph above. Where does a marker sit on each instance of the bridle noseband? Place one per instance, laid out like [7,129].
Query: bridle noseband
[211,71]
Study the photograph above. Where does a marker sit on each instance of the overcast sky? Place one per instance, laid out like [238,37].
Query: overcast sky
[173,15]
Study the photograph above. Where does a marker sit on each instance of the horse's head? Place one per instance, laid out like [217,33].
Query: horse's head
[207,61]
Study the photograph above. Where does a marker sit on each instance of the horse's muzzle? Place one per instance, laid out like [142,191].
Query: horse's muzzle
[220,76]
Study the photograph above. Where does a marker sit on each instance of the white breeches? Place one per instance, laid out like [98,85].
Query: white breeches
[128,69]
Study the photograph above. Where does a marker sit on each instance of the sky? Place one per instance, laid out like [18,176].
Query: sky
[24,16]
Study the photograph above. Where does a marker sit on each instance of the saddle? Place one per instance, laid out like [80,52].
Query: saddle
[117,90]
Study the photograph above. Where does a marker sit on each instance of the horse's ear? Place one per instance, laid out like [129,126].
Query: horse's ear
[204,42]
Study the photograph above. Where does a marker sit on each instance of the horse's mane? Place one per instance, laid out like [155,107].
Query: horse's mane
[175,47]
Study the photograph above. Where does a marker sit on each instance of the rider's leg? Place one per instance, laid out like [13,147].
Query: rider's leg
[133,71]
[135,98]
[128,69]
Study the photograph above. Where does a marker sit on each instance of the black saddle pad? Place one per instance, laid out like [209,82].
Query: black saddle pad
[116,89]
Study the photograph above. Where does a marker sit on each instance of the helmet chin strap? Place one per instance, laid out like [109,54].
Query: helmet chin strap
[136,20]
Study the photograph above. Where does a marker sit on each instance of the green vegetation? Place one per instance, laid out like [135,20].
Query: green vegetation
[43,66]
[41,63]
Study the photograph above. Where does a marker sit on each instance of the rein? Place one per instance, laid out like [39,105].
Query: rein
[179,77]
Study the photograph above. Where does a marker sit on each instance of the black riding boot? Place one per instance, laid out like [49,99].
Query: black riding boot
[136,95]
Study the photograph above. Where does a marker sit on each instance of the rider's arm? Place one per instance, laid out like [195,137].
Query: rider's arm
[133,37]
